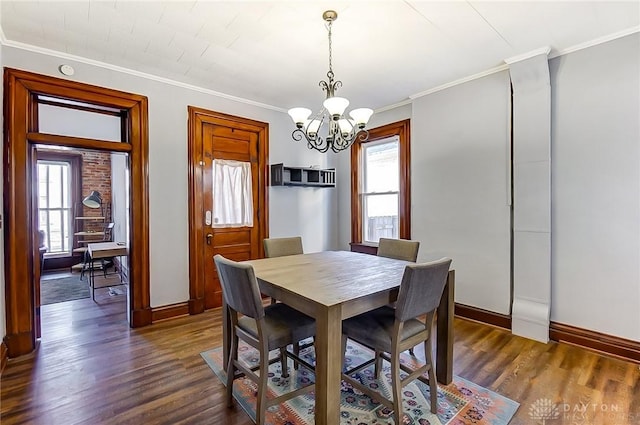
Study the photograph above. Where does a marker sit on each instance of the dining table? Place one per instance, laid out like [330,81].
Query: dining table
[331,286]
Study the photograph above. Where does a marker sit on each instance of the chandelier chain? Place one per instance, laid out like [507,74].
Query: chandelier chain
[330,73]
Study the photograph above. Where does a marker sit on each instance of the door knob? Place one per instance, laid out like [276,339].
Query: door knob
[209,236]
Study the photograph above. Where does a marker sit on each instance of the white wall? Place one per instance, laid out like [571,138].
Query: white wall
[343,170]
[595,173]
[168,185]
[119,200]
[460,186]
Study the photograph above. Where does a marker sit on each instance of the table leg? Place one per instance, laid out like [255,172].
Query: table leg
[444,344]
[328,365]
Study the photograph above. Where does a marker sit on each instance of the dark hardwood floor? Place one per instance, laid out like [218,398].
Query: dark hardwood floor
[91,368]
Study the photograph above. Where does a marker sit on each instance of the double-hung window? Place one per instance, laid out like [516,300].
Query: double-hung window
[380,198]
[381,190]
[54,204]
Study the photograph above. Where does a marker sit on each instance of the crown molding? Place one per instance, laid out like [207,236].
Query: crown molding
[556,54]
[393,106]
[596,41]
[536,52]
[111,67]
[460,81]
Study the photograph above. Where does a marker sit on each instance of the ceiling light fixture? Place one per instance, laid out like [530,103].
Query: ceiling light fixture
[341,132]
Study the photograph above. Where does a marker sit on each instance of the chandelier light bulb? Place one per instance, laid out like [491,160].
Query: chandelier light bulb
[312,127]
[361,116]
[299,115]
[335,106]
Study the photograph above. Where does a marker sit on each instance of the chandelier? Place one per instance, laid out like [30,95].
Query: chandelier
[341,131]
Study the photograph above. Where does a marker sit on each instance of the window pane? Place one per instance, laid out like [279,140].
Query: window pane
[380,217]
[77,123]
[43,177]
[55,229]
[66,197]
[55,186]
[381,167]
[66,243]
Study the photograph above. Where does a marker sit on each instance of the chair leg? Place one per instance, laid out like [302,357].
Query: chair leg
[378,365]
[261,399]
[396,387]
[296,351]
[433,384]
[231,371]
[344,351]
[283,362]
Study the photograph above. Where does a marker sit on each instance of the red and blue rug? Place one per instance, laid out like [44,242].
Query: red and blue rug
[459,403]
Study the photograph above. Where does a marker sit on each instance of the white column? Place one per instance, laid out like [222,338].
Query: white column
[531,195]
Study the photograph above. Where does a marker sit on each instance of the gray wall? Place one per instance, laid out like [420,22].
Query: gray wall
[460,189]
[595,175]
[309,213]
[460,186]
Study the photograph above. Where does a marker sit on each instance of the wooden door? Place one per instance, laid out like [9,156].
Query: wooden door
[219,136]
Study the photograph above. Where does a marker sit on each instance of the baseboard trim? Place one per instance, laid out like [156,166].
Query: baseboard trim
[618,347]
[169,311]
[484,316]
[4,356]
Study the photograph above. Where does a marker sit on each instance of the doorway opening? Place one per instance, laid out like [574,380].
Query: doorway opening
[82,203]
[28,129]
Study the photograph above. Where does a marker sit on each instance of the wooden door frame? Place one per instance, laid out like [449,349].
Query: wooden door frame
[198,117]
[20,135]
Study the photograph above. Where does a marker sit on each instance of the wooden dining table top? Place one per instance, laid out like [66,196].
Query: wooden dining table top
[328,277]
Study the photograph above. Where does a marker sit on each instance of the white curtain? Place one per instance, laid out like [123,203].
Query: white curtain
[232,194]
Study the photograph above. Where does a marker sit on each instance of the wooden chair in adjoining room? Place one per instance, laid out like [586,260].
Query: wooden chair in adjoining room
[264,328]
[389,331]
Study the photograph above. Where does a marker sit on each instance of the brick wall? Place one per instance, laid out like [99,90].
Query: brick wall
[96,175]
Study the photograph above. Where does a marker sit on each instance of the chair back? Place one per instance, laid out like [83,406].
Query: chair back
[239,287]
[399,249]
[280,247]
[421,288]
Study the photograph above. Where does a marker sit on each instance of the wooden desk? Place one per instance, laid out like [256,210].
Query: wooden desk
[103,250]
[334,285]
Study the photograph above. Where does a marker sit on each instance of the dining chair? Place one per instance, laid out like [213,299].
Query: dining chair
[399,249]
[264,328]
[279,247]
[389,331]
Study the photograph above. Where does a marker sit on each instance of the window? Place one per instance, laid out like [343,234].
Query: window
[54,204]
[381,189]
[380,202]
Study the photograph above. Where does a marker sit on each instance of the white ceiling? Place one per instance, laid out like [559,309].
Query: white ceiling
[275,52]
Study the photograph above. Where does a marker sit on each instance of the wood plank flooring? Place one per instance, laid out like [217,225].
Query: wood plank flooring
[91,368]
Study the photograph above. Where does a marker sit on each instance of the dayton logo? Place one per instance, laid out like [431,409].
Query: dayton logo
[544,409]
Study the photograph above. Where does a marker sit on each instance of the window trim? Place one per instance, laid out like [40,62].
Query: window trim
[402,130]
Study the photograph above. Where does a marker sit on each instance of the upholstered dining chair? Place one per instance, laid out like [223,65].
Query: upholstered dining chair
[264,328]
[389,331]
[281,247]
[399,249]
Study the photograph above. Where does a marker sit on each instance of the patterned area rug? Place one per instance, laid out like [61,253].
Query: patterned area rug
[459,403]
[63,289]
